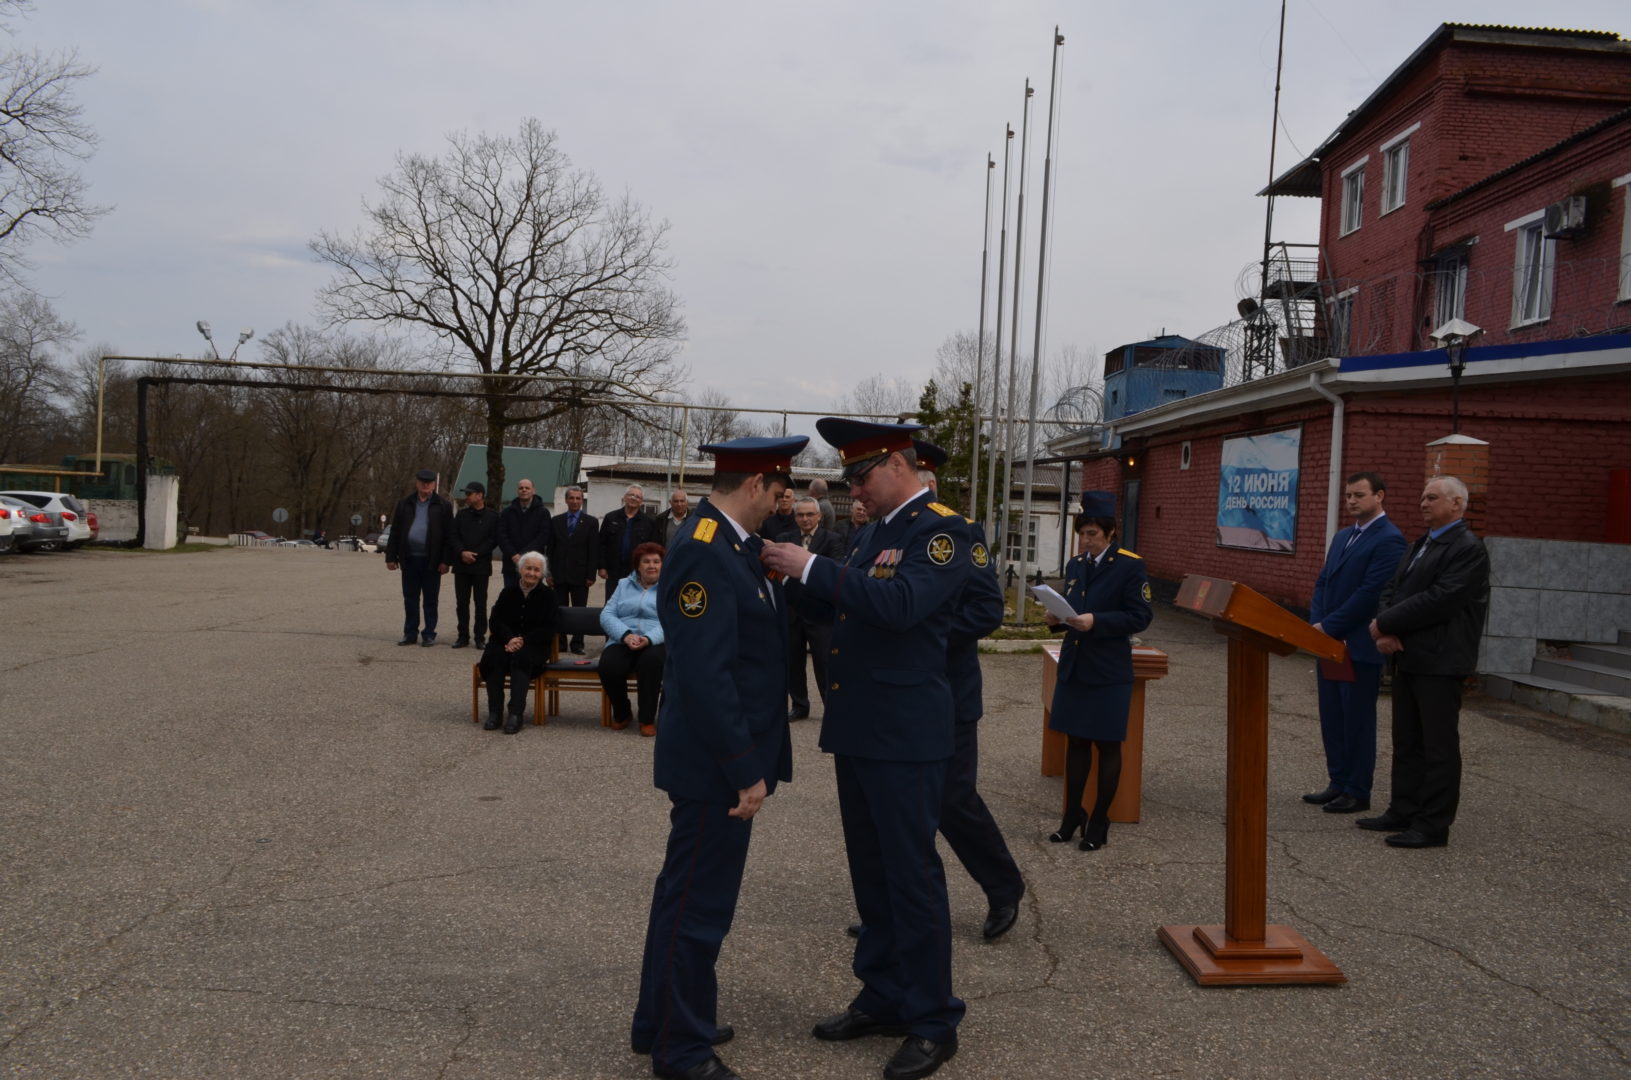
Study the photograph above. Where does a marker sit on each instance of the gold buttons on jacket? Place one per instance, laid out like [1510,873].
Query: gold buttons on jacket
[833,687]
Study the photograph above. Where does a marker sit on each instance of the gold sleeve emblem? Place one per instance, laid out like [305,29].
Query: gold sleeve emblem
[693,599]
[1147,592]
[941,549]
[980,555]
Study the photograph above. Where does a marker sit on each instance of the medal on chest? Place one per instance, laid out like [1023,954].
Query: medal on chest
[886,562]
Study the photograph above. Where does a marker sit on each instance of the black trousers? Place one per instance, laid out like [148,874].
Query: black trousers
[466,587]
[808,637]
[969,828]
[617,661]
[571,594]
[1426,751]
[495,665]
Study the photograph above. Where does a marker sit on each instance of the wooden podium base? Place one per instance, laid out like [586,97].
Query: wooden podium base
[1283,956]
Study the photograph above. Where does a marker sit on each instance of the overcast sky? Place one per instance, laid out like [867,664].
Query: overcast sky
[820,164]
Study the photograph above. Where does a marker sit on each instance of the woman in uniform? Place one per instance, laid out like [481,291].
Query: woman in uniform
[1110,592]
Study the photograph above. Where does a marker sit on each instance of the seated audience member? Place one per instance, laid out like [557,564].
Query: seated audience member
[634,640]
[520,627]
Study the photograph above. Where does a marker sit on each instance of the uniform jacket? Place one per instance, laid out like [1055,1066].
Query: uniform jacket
[530,617]
[1118,595]
[892,603]
[438,531]
[724,716]
[521,531]
[612,560]
[979,612]
[475,530]
[574,556]
[1437,605]
[1348,591]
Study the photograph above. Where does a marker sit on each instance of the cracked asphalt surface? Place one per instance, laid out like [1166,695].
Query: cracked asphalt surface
[245,835]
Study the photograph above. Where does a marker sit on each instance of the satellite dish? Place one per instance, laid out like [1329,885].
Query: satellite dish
[1247,308]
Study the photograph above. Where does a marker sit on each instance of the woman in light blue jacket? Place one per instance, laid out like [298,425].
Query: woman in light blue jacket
[634,640]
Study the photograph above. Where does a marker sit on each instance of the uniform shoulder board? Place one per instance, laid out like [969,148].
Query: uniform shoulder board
[705,530]
[942,509]
[1129,554]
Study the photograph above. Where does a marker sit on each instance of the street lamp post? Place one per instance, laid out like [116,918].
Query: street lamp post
[243,335]
[1454,337]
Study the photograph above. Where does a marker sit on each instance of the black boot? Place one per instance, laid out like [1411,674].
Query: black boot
[495,720]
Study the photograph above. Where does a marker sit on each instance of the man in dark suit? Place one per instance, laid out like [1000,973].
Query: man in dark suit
[523,526]
[1431,619]
[574,550]
[722,746]
[621,531]
[780,525]
[1347,594]
[421,545]
[670,521]
[475,535]
[804,636]
[889,726]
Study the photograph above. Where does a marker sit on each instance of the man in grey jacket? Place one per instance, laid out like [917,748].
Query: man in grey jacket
[1431,618]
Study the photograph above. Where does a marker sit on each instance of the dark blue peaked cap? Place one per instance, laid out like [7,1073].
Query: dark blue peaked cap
[859,441]
[1099,503]
[929,456]
[756,455]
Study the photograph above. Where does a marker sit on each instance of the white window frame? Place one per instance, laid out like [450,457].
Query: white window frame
[1624,292]
[1396,169]
[1033,528]
[1533,265]
[1451,272]
[1353,197]
[1339,318]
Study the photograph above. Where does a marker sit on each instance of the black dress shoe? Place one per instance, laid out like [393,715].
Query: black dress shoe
[407,641]
[1346,804]
[854,929]
[999,921]
[461,643]
[723,1034]
[852,1023]
[481,642]
[797,713]
[494,722]
[1066,830]
[918,1056]
[428,642]
[1413,838]
[1386,822]
[712,1069]
[1093,845]
[513,724]
[1320,798]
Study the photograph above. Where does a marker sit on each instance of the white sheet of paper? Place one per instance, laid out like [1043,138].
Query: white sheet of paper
[1048,598]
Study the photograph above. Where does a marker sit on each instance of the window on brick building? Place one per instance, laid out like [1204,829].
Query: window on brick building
[1396,168]
[1625,239]
[1532,271]
[1353,195]
[1450,287]
[1340,317]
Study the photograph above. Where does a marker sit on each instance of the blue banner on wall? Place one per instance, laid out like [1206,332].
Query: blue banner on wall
[1257,491]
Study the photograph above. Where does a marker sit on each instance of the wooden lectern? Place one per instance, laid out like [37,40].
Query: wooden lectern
[1128,804]
[1244,950]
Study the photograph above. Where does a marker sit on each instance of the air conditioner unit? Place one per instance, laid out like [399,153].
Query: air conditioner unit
[1567,218]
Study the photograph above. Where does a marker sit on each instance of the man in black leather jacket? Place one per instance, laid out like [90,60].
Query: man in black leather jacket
[1431,619]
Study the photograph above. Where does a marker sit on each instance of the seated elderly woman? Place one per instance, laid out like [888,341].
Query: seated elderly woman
[519,632]
[634,640]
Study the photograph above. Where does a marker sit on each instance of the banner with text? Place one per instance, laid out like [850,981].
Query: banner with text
[1257,491]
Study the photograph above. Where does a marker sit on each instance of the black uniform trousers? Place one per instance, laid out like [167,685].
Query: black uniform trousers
[571,594]
[466,586]
[691,911]
[802,637]
[890,811]
[969,828]
[1426,751]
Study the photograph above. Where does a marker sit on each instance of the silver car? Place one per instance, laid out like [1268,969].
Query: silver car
[38,529]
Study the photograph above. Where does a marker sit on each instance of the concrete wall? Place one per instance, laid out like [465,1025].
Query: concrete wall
[1552,590]
[115,518]
[163,512]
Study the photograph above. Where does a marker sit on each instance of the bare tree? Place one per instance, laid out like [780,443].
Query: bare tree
[30,334]
[519,266]
[42,142]
[876,395]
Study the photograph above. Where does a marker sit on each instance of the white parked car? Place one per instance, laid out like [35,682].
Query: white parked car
[79,520]
[10,520]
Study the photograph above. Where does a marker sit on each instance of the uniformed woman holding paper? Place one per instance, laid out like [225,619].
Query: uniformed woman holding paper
[1110,593]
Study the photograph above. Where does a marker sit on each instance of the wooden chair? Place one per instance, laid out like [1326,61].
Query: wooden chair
[477,685]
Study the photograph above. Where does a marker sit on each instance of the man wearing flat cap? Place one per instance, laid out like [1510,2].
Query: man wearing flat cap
[421,545]
[475,535]
[722,746]
[889,726]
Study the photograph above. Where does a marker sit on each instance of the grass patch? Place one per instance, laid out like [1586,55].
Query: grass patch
[179,549]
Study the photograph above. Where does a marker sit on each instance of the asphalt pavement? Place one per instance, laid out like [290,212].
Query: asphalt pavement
[246,835]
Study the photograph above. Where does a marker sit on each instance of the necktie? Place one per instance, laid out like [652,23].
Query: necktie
[1355,535]
[1419,553]
[807,543]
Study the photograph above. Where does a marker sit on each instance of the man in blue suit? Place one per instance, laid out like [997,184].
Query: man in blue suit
[1346,596]
[889,726]
[722,745]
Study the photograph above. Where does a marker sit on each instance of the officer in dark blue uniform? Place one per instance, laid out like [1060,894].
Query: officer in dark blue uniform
[1110,591]
[965,820]
[889,725]
[722,745]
